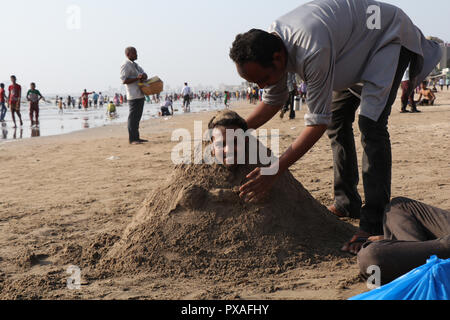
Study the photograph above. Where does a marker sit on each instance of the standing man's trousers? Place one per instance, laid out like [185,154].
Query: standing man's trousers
[377,157]
[136,111]
[414,232]
[290,105]
[408,95]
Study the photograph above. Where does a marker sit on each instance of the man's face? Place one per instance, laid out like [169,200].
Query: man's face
[13,80]
[33,87]
[132,54]
[263,76]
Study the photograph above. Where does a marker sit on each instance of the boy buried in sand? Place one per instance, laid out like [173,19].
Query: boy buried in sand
[219,125]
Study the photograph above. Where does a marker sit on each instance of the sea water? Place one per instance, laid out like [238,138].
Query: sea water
[53,123]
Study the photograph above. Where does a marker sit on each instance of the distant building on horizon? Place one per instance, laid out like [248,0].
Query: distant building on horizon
[445,61]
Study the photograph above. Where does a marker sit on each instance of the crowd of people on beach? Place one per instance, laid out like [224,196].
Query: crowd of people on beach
[427,96]
[11,99]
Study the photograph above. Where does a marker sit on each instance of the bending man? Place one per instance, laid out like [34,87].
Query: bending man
[348,58]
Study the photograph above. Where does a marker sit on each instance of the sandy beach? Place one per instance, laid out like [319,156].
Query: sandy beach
[78,192]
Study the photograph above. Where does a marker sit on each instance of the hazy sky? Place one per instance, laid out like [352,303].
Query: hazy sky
[179,40]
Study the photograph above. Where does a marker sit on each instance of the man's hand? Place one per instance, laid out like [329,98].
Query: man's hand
[258,187]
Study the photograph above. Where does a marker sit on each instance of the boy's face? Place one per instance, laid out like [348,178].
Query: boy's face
[13,80]
[228,150]
[33,86]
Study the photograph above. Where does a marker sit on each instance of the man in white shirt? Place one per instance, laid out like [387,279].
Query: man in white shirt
[186,94]
[101,100]
[131,74]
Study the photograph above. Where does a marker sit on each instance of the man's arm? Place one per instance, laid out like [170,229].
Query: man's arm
[259,185]
[301,146]
[124,72]
[130,81]
[261,115]
[433,96]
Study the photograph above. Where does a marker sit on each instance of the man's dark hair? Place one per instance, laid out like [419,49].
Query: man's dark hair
[256,46]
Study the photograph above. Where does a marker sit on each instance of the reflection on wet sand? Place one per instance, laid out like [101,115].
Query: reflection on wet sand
[20,133]
[4,131]
[35,132]
[86,123]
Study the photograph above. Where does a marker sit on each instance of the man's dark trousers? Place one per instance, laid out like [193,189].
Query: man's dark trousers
[289,106]
[413,232]
[136,111]
[377,157]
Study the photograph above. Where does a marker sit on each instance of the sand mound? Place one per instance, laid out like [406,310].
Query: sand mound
[197,224]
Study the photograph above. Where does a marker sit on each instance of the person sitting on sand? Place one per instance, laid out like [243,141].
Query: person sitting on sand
[112,110]
[427,94]
[413,232]
[165,108]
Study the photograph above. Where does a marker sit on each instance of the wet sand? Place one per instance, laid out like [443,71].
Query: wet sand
[72,189]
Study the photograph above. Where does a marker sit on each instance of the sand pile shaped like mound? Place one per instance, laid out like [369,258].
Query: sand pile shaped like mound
[197,224]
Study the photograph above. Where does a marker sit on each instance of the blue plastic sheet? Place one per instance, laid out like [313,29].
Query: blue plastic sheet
[428,282]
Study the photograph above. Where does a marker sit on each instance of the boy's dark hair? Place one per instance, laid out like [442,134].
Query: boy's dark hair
[33,84]
[13,76]
[2,85]
[228,118]
[255,46]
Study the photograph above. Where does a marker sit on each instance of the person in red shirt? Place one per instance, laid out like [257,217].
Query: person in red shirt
[15,94]
[3,97]
[85,98]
